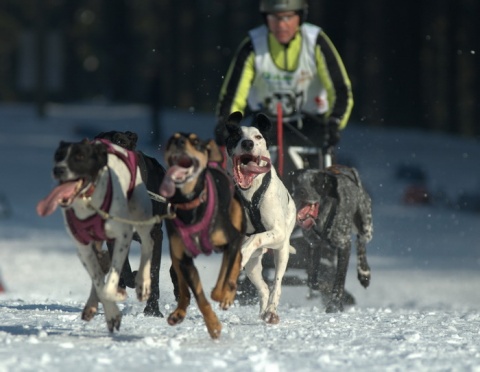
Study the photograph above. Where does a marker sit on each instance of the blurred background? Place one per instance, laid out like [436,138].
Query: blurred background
[412,63]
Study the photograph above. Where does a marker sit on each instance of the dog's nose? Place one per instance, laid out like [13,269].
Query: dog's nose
[247,145]
[58,171]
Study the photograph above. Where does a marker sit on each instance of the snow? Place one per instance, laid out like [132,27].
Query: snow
[421,311]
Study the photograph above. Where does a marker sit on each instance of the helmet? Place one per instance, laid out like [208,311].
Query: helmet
[273,6]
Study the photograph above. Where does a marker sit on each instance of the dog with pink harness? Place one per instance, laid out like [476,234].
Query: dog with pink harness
[98,180]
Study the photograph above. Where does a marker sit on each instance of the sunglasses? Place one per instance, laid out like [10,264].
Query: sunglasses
[281,18]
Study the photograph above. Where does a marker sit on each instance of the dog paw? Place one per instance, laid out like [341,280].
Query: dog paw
[89,312]
[227,302]
[119,295]
[152,309]
[271,317]
[334,307]
[364,279]
[215,329]
[143,292]
[176,317]
[114,322]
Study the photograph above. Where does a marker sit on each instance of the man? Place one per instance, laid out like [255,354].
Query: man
[289,61]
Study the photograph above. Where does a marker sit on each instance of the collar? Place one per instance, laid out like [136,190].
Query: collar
[89,191]
[193,203]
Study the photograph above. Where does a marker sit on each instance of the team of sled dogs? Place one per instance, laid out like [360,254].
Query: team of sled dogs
[108,192]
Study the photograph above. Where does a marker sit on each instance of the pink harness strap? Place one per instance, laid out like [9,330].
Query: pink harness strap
[197,237]
[130,161]
[92,228]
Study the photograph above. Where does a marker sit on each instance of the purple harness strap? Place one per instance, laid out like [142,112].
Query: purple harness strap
[92,228]
[197,237]
[130,161]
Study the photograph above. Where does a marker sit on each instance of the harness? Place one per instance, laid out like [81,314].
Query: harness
[335,171]
[93,228]
[197,237]
[128,157]
[252,206]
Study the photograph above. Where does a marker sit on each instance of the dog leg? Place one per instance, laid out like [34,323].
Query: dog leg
[91,307]
[226,287]
[250,246]
[152,308]
[336,304]
[113,315]
[142,279]
[177,316]
[110,290]
[190,273]
[103,257]
[281,260]
[313,253]
[363,269]
[88,257]
[253,269]
[127,278]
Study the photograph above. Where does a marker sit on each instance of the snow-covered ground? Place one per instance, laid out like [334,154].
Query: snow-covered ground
[421,312]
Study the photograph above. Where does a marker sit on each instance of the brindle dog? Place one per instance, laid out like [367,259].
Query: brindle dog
[331,204]
[209,217]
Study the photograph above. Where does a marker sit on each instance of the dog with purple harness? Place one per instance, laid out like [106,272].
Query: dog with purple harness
[97,182]
[152,173]
[209,218]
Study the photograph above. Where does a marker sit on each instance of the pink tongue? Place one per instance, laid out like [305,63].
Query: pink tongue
[63,191]
[253,167]
[303,212]
[167,188]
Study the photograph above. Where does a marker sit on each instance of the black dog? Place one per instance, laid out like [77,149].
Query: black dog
[152,173]
[331,204]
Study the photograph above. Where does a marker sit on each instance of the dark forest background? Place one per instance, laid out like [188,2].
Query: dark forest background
[412,62]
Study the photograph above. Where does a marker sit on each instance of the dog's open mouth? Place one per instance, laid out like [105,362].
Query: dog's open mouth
[246,167]
[62,195]
[181,169]
[307,215]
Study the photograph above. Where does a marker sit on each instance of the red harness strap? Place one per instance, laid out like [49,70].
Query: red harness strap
[92,228]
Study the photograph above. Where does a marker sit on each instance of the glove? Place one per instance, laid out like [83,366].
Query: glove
[333,131]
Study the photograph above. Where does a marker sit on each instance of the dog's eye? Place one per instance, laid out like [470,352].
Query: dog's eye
[197,144]
[258,137]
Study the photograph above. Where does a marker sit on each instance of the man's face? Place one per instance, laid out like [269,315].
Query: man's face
[283,25]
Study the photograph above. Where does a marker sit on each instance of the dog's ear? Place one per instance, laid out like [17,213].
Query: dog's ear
[292,176]
[101,154]
[85,141]
[262,123]
[133,137]
[233,122]
[235,118]
[325,183]
[214,153]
